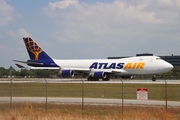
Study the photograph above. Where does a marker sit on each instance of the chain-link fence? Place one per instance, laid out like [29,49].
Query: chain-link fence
[44,93]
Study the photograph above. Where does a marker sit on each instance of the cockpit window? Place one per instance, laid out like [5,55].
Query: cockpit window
[158,58]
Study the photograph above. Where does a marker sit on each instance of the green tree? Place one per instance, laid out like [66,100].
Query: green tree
[42,73]
[2,70]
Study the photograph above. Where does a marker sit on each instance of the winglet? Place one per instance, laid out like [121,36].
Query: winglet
[34,50]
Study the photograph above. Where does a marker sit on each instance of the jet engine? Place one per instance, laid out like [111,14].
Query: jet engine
[98,74]
[66,73]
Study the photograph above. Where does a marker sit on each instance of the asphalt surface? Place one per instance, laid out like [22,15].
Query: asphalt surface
[90,101]
[73,80]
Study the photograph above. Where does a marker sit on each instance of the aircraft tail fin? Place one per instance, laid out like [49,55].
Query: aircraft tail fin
[34,50]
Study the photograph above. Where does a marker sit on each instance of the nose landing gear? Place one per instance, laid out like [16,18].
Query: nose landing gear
[154,78]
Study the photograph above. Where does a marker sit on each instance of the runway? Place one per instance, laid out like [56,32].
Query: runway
[89,100]
[98,101]
[77,80]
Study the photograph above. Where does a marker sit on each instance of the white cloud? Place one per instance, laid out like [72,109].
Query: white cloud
[178,3]
[102,11]
[7,13]
[63,4]
[120,21]
[21,33]
[13,34]
[165,2]
[67,35]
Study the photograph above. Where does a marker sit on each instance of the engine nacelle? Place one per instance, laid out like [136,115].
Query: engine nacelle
[98,74]
[66,73]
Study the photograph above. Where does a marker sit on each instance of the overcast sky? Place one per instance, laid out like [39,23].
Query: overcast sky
[77,29]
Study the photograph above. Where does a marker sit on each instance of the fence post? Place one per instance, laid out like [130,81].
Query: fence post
[82,97]
[166,94]
[122,96]
[46,93]
[10,93]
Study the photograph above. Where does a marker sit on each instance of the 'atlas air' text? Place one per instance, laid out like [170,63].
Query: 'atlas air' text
[129,65]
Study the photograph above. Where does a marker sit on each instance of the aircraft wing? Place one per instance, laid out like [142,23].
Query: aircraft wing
[82,70]
[88,71]
[35,63]
[119,71]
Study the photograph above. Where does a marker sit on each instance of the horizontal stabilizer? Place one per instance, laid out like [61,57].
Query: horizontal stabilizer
[19,66]
[35,63]
[45,68]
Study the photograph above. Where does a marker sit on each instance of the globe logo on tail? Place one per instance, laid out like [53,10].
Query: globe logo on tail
[33,47]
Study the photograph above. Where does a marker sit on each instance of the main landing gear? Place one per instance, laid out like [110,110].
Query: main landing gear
[97,78]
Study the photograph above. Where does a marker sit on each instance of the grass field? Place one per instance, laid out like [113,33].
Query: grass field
[155,91]
[31,111]
[35,111]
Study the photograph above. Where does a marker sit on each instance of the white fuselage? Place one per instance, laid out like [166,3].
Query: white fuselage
[142,65]
[94,68]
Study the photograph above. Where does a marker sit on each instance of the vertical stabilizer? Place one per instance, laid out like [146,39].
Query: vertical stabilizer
[34,50]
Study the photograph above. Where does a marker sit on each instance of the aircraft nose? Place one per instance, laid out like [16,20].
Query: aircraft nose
[168,66]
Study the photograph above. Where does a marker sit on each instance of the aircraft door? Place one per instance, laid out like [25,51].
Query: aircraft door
[151,59]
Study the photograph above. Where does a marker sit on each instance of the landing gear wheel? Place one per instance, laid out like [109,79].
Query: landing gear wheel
[92,79]
[154,78]
[106,79]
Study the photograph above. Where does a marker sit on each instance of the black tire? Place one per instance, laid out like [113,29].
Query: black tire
[153,79]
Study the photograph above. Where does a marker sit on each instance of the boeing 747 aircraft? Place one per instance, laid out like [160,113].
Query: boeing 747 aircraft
[95,69]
